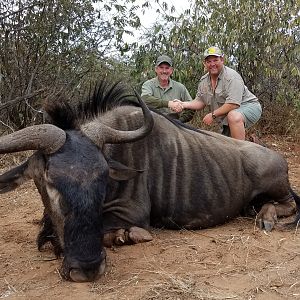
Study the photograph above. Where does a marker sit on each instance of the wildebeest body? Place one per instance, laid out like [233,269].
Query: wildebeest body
[190,179]
[101,171]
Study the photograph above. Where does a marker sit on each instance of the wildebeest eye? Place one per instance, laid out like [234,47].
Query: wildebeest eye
[64,207]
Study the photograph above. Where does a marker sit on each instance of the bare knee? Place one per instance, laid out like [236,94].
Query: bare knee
[236,125]
[235,118]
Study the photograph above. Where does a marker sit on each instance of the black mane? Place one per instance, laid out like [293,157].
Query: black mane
[178,123]
[104,97]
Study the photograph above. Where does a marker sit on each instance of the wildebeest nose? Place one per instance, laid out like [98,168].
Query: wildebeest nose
[84,272]
[78,275]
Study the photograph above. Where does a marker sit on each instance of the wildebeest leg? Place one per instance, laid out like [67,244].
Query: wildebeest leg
[133,235]
[47,234]
[139,235]
[285,209]
[267,217]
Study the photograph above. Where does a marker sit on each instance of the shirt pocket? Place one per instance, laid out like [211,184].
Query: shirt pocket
[206,96]
[220,95]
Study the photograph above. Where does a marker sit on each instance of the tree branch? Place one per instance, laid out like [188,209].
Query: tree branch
[19,99]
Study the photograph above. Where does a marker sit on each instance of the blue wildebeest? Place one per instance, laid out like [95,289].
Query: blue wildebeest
[107,170]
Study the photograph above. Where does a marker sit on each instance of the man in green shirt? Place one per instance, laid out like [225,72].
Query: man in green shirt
[230,101]
[161,91]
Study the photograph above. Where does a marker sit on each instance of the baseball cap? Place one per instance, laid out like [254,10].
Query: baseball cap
[215,51]
[164,59]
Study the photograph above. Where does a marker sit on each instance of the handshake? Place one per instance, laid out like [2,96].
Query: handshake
[176,105]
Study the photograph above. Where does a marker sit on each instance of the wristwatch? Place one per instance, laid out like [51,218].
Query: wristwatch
[213,115]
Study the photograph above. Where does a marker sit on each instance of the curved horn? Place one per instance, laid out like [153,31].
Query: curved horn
[47,138]
[100,133]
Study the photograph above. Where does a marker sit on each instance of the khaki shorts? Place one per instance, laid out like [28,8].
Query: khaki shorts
[251,112]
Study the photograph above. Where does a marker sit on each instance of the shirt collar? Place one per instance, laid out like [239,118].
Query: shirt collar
[158,85]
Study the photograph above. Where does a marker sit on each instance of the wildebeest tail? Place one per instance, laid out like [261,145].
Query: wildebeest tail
[297,200]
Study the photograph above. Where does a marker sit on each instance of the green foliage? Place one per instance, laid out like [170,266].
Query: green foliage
[47,47]
[259,38]
[53,46]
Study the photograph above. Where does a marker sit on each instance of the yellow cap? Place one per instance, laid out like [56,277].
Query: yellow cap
[214,51]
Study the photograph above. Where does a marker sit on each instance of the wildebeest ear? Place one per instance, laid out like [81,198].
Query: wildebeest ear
[118,171]
[13,178]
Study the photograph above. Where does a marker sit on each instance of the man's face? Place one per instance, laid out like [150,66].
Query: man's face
[163,71]
[214,64]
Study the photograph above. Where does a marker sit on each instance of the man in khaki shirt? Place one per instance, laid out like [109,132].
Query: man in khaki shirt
[223,89]
[159,92]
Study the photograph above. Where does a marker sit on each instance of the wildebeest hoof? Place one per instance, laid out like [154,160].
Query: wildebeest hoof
[139,235]
[265,225]
[268,225]
[120,237]
[267,217]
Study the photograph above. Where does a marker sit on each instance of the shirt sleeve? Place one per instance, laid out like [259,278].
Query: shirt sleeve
[146,89]
[200,95]
[150,100]
[154,102]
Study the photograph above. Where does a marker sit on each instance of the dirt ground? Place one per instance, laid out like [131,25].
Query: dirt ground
[232,261]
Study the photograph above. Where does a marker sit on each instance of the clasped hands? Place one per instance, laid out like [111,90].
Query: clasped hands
[176,105]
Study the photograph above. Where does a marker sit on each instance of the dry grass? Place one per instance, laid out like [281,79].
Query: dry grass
[235,263]
[13,159]
[280,119]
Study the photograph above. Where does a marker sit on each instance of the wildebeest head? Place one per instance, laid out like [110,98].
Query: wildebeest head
[71,174]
